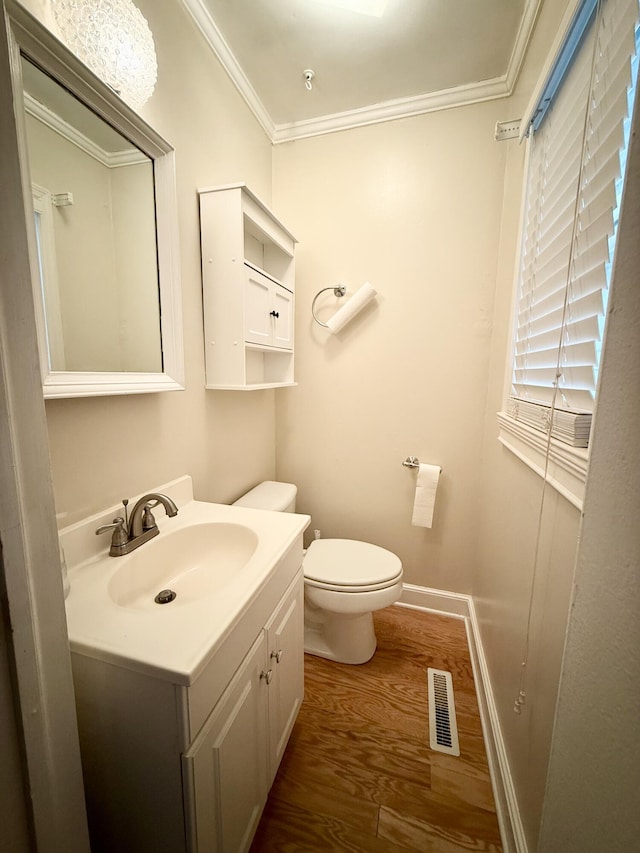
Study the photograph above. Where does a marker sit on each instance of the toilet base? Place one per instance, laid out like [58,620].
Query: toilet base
[341,637]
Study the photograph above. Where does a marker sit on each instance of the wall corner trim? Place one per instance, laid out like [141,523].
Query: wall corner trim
[462,606]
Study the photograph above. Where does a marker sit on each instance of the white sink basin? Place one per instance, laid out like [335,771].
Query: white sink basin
[193,562]
[221,561]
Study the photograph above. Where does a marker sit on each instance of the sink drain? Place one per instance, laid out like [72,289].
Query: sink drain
[164,596]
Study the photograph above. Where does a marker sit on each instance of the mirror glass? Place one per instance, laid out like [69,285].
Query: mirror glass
[94,210]
[100,196]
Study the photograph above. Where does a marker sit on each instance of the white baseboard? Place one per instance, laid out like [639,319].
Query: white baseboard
[462,607]
[435,600]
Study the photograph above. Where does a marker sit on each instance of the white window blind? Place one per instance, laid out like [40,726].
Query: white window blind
[576,165]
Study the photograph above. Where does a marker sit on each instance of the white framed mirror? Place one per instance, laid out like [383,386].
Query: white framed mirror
[99,186]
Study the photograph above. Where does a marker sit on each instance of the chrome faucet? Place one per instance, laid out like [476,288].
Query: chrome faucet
[141,526]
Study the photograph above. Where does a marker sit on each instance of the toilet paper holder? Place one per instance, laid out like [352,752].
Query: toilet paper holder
[413,462]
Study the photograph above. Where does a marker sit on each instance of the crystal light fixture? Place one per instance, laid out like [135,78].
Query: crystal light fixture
[112,38]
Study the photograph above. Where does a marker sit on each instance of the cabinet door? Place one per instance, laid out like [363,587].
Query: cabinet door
[258,322]
[282,314]
[285,632]
[225,769]
[268,312]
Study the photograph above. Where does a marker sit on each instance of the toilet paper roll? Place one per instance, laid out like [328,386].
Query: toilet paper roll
[348,311]
[425,499]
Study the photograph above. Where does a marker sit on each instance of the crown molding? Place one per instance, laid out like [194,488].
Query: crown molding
[498,87]
[111,160]
[396,109]
[218,44]
[525,31]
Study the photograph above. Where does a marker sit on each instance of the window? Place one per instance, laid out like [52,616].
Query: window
[578,137]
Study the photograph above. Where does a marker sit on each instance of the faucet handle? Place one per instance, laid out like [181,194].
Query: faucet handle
[120,534]
[148,518]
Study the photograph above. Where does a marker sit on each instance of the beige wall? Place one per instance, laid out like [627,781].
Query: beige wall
[103,449]
[412,206]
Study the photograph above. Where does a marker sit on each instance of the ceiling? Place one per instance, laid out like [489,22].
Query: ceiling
[417,56]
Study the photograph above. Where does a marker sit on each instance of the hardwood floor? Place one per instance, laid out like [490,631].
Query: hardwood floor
[358,773]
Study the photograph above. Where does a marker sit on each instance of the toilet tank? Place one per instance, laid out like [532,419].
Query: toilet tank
[280,497]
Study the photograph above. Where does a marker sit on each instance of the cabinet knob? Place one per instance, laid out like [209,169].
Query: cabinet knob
[277,655]
[274,313]
[268,675]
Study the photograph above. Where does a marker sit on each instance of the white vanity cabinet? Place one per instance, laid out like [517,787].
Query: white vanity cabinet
[248,286]
[232,763]
[186,767]
[285,638]
[225,770]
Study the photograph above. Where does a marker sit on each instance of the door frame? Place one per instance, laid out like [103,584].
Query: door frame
[39,650]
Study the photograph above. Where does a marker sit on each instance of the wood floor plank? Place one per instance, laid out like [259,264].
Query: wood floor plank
[358,773]
[401,706]
[297,786]
[289,829]
[467,783]
[392,777]
[415,834]
[369,750]
[448,816]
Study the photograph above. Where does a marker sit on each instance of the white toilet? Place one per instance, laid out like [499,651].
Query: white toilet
[344,582]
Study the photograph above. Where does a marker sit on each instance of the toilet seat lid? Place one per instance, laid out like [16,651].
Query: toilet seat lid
[350,563]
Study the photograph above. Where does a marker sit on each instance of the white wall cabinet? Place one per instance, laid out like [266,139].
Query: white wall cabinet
[178,768]
[248,286]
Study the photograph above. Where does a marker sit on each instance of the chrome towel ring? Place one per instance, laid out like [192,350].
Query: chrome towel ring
[339,291]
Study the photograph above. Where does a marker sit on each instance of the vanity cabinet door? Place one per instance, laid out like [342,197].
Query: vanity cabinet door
[285,632]
[225,769]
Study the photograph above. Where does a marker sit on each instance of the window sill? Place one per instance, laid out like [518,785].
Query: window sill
[567,469]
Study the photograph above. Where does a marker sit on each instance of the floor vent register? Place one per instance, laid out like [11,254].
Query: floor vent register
[443,729]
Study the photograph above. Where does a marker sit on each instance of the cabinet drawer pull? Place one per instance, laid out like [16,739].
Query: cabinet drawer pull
[268,675]
[277,655]
[274,313]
